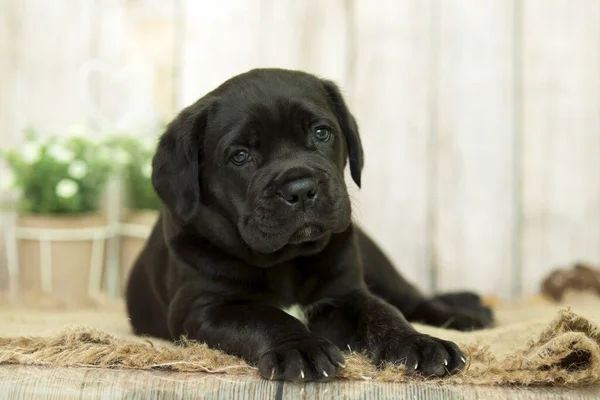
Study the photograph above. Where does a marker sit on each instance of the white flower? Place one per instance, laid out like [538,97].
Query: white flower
[147,170]
[7,180]
[78,169]
[60,154]
[66,188]
[122,157]
[31,152]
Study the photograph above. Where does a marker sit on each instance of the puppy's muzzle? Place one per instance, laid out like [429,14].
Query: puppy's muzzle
[299,193]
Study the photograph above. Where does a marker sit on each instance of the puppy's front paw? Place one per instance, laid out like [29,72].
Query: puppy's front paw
[308,359]
[422,354]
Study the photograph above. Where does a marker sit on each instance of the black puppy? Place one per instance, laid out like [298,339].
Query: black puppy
[255,252]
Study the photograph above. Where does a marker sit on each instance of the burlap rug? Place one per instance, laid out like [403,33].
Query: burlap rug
[535,343]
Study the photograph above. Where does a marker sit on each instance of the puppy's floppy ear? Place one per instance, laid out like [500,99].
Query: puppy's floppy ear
[349,128]
[175,165]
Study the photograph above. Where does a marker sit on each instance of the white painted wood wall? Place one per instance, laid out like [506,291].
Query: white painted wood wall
[480,120]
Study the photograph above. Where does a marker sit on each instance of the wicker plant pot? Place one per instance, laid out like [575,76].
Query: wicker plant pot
[135,229]
[61,257]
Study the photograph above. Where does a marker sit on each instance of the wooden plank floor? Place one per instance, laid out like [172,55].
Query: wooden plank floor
[29,382]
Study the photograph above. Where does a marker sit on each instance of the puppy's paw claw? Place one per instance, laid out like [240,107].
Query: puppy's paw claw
[307,359]
[424,354]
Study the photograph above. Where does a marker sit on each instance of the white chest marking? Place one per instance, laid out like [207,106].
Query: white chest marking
[296,311]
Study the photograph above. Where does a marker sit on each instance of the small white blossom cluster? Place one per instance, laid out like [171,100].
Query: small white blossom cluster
[66,188]
[78,169]
[73,166]
[32,149]
[65,165]
[59,152]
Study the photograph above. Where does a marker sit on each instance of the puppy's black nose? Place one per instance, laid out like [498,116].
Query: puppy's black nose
[299,192]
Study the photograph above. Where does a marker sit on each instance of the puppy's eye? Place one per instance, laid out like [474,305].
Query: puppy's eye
[323,133]
[240,157]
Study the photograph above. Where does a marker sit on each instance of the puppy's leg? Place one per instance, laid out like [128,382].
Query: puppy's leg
[469,302]
[446,310]
[362,321]
[278,344]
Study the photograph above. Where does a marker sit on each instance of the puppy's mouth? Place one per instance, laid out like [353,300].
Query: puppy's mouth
[307,233]
[272,227]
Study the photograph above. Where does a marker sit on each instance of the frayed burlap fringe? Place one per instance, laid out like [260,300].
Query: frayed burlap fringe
[566,352]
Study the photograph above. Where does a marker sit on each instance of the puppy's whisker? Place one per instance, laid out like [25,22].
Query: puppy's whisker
[447,323]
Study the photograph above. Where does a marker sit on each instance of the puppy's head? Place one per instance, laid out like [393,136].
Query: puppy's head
[267,151]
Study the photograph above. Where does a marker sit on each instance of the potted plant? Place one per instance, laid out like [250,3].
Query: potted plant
[59,229]
[142,203]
